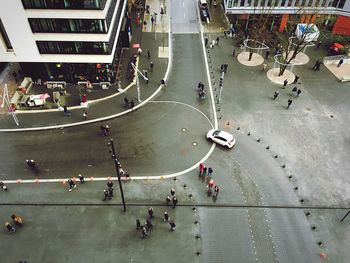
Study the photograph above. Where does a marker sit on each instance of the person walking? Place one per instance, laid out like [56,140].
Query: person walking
[81,178]
[132,104]
[201,169]
[172,192]
[166,217]
[285,82]
[225,67]
[174,202]
[10,228]
[144,232]
[275,95]
[106,195]
[84,114]
[172,225]
[139,51]
[210,172]
[17,220]
[341,61]
[296,79]
[205,169]
[150,212]
[3,186]
[316,65]
[148,224]
[267,53]
[206,41]
[217,41]
[110,188]
[152,20]
[66,112]
[289,103]
[138,224]
[72,185]
[233,52]
[264,66]
[151,65]
[216,191]
[295,89]
[167,200]
[298,92]
[149,54]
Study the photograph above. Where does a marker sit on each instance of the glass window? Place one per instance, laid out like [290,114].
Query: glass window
[64,4]
[333,3]
[5,37]
[341,3]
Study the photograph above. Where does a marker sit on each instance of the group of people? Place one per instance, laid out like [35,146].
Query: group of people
[171,199]
[108,192]
[17,221]
[213,189]
[148,225]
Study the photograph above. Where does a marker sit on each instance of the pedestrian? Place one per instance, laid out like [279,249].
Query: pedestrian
[285,82]
[66,112]
[126,102]
[17,220]
[72,185]
[168,200]
[110,188]
[139,51]
[144,232]
[166,217]
[289,103]
[138,224]
[148,224]
[298,92]
[172,192]
[106,195]
[316,65]
[296,79]
[151,65]
[150,212]
[172,225]
[267,53]
[275,95]
[152,20]
[149,54]
[204,171]
[341,61]
[206,41]
[222,68]
[210,172]
[174,202]
[212,44]
[201,169]
[295,89]
[145,73]
[217,41]
[3,186]
[10,228]
[233,52]
[264,66]
[81,178]
[84,114]
[132,104]
[216,191]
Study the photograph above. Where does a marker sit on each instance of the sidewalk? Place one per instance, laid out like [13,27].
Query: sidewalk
[110,106]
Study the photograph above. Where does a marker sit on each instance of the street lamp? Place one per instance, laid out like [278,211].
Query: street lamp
[137,71]
[117,168]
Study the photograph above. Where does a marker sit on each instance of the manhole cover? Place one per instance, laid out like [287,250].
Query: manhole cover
[183,129]
[194,144]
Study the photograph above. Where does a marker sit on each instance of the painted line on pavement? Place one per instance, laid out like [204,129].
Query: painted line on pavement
[185,104]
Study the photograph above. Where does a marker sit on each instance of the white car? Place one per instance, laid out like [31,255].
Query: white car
[221,137]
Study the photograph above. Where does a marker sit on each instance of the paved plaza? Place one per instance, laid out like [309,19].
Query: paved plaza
[284,187]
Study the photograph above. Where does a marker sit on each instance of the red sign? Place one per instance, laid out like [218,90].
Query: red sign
[135,45]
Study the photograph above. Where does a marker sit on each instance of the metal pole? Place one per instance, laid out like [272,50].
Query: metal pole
[117,164]
[345,216]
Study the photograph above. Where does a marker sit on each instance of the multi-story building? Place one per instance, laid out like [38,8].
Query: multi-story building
[335,14]
[68,40]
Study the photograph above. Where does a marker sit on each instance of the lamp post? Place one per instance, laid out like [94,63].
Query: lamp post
[117,168]
[137,71]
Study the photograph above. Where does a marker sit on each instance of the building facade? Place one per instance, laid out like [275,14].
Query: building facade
[335,14]
[64,40]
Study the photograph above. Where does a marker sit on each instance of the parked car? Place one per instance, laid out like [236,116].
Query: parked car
[203,10]
[221,137]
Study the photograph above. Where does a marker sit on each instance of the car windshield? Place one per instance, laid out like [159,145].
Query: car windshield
[216,133]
